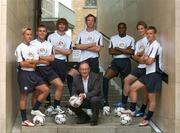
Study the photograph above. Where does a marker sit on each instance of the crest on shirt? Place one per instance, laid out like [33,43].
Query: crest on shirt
[30,55]
[122,44]
[141,48]
[61,44]
[89,39]
[42,51]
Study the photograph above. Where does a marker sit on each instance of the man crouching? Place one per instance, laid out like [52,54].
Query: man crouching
[87,86]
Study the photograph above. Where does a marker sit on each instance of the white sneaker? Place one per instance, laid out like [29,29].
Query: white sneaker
[89,112]
[27,123]
[49,110]
[58,110]
[128,111]
[70,112]
[37,112]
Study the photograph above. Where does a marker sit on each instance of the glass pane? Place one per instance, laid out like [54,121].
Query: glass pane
[90,3]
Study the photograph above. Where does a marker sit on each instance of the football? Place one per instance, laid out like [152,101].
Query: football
[125,119]
[106,110]
[75,101]
[60,119]
[39,120]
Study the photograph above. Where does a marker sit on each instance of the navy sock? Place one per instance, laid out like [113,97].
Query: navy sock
[56,103]
[149,115]
[69,83]
[37,105]
[133,107]
[124,99]
[23,114]
[105,88]
[143,108]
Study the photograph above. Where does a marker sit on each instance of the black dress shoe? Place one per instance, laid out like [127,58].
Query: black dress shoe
[83,120]
[93,123]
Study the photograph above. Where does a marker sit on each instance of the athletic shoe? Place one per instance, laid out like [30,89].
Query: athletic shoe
[58,110]
[119,104]
[27,123]
[128,111]
[37,112]
[49,110]
[89,112]
[144,123]
[139,114]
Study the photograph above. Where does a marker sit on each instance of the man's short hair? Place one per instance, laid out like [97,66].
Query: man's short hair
[63,21]
[83,62]
[23,30]
[90,15]
[152,28]
[41,26]
[142,23]
[122,23]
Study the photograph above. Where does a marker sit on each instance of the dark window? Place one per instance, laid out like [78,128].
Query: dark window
[91,3]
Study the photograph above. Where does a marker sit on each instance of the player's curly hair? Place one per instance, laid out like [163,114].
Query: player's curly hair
[142,23]
[63,21]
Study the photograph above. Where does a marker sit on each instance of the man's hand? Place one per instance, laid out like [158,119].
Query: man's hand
[82,96]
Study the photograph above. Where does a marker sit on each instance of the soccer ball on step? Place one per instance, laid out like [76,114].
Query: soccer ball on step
[106,110]
[117,111]
[60,119]
[39,120]
[125,119]
[75,101]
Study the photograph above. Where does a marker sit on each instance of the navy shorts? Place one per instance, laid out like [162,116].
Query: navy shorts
[47,73]
[93,63]
[121,66]
[152,81]
[28,80]
[59,66]
[138,72]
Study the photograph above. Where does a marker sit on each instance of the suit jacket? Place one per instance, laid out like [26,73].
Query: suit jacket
[94,87]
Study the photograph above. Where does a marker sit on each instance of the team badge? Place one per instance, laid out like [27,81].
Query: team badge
[141,48]
[30,55]
[122,44]
[61,44]
[42,51]
[90,39]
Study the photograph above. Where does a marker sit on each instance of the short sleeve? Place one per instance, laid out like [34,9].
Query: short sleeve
[154,52]
[18,54]
[79,41]
[110,43]
[100,40]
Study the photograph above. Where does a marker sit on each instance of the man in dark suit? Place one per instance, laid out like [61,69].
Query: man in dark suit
[87,86]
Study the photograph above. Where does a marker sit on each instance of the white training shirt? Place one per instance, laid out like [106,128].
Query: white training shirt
[60,41]
[154,50]
[139,47]
[43,48]
[26,52]
[86,37]
[121,42]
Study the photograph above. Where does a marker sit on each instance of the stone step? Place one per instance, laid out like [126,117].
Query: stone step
[107,124]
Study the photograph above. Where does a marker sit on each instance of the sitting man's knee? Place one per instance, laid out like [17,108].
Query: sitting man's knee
[95,99]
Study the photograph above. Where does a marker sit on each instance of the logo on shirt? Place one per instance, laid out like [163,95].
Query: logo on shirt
[61,44]
[122,44]
[141,48]
[89,39]
[42,51]
[30,55]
